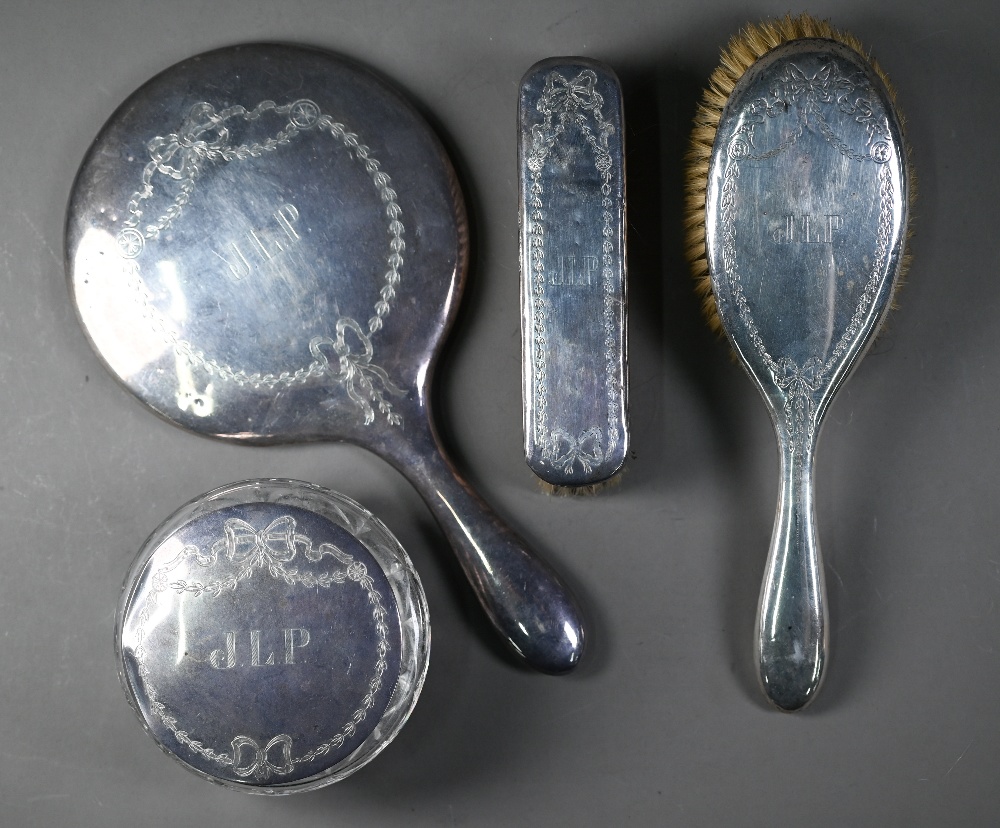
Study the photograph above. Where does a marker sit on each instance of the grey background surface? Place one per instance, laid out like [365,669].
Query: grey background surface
[663,723]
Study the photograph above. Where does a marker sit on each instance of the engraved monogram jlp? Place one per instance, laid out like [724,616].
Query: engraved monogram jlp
[260,246]
[233,655]
[575,271]
[807,229]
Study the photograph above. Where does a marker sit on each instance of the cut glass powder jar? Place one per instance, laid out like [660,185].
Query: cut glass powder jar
[272,636]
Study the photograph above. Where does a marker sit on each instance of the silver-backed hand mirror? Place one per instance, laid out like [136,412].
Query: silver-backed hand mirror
[267,244]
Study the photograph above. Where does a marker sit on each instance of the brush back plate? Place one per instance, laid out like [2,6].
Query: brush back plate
[806,216]
[573,306]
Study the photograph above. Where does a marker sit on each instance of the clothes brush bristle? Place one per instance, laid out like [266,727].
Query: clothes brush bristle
[582,491]
[743,51]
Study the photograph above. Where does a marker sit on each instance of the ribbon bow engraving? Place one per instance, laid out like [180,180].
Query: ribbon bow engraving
[806,92]
[823,85]
[261,766]
[564,450]
[202,130]
[269,548]
[568,102]
[800,383]
[355,371]
[272,545]
[561,95]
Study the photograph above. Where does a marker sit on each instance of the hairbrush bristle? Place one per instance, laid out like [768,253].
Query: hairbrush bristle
[743,51]
[582,491]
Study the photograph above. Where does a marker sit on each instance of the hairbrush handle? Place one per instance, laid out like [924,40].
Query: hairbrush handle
[524,598]
[792,637]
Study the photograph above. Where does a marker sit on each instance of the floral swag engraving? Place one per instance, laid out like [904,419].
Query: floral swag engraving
[205,137]
[564,104]
[271,549]
[810,95]
[852,97]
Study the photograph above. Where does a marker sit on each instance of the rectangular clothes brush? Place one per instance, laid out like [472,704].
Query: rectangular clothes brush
[573,307]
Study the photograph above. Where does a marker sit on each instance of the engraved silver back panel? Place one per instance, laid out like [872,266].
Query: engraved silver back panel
[573,301]
[806,222]
[267,243]
[273,636]
[806,212]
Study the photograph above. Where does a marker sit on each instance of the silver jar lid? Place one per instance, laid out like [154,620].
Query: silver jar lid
[272,636]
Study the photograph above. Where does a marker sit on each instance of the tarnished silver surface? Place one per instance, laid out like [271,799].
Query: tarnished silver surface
[267,244]
[806,223]
[573,309]
[272,636]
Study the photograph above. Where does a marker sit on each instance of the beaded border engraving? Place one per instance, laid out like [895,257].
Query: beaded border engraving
[796,91]
[204,138]
[564,104]
[250,549]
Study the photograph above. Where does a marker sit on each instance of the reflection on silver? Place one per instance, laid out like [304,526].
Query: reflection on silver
[573,311]
[806,223]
